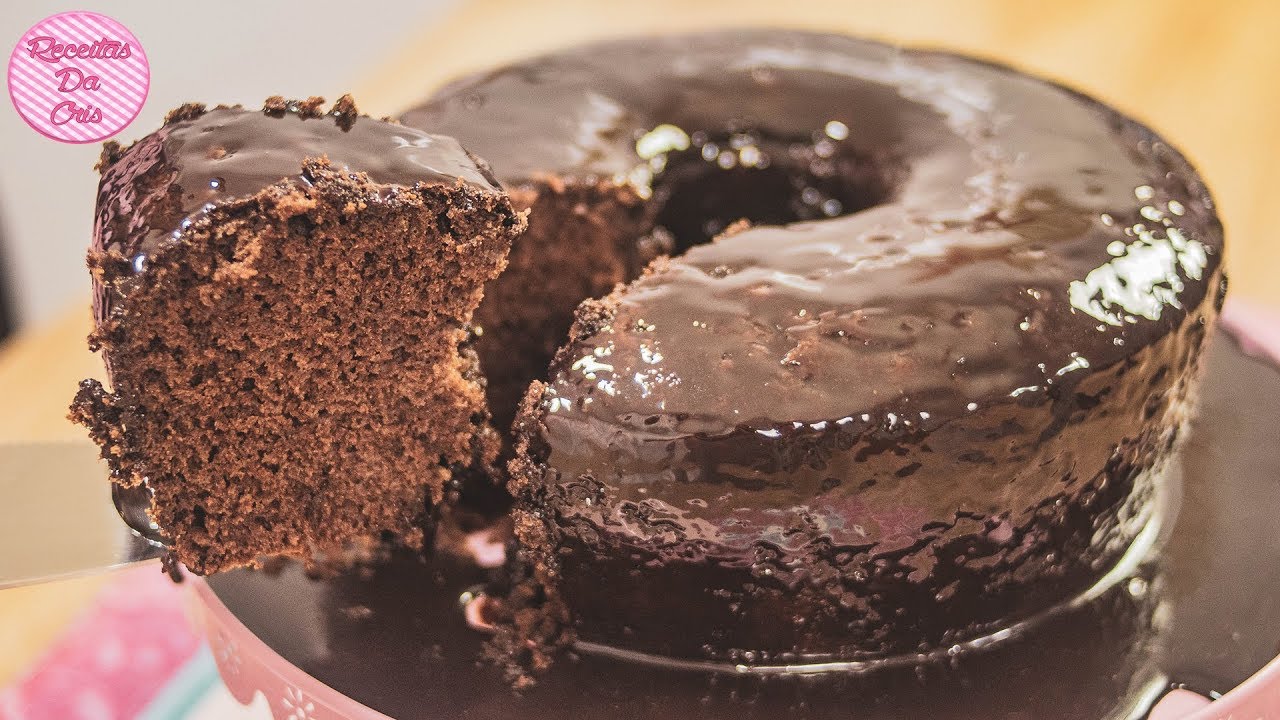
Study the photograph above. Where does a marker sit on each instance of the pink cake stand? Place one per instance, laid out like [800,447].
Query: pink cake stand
[295,641]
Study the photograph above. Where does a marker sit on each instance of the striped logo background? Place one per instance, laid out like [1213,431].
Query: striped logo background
[33,86]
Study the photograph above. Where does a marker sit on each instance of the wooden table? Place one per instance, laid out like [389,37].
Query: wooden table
[1204,74]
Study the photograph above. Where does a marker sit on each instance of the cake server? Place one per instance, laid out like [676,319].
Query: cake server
[58,518]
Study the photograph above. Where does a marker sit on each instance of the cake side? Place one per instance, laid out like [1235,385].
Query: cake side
[283,300]
[845,540]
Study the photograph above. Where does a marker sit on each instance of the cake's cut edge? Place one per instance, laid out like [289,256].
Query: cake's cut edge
[581,243]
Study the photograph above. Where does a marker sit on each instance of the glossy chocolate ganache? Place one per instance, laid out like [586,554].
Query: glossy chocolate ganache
[925,339]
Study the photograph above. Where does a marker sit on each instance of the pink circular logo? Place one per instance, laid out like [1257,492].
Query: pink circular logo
[78,77]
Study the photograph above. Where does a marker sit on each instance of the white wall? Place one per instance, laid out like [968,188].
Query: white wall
[212,51]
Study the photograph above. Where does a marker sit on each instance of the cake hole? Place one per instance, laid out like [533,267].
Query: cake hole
[721,179]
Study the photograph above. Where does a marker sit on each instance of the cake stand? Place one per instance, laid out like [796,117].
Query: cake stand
[1198,619]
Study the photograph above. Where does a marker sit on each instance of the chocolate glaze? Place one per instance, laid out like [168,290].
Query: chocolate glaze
[203,159]
[938,410]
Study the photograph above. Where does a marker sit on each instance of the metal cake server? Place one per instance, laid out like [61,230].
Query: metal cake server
[58,518]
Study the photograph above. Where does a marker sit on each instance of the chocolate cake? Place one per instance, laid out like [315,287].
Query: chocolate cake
[815,350]
[283,299]
[925,344]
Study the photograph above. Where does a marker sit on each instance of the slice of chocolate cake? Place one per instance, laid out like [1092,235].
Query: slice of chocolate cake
[283,300]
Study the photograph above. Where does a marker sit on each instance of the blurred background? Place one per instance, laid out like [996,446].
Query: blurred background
[1203,74]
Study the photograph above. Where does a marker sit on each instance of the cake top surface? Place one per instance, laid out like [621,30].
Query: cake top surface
[1015,235]
[206,157]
